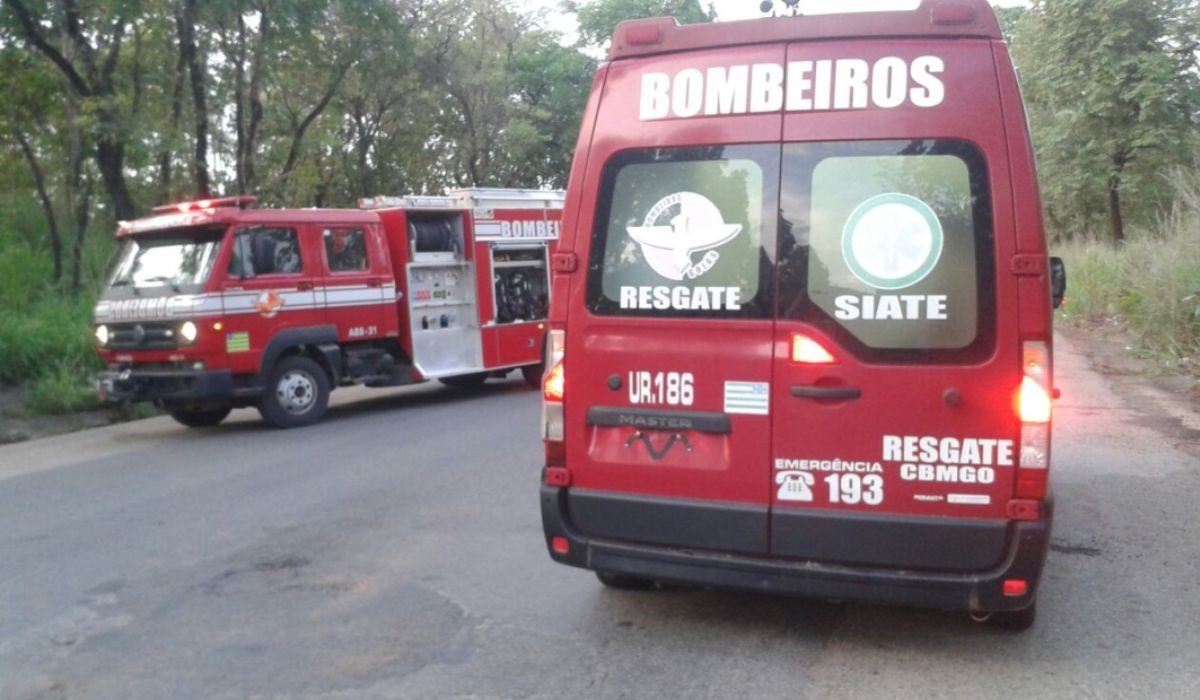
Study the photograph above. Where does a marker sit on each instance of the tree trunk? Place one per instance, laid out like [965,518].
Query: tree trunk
[39,181]
[165,155]
[110,159]
[186,21]
[1115,220]
[82,219]
[250,144]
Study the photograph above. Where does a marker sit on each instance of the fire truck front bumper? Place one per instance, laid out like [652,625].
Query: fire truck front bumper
[980,591]
[164,384]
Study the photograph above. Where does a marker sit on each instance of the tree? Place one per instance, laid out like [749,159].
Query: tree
[1111,87]
[88,55]
[29,103]
[598,19]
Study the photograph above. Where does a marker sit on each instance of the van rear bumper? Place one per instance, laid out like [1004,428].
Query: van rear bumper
[979,591]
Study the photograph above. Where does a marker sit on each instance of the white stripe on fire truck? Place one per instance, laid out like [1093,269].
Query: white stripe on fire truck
[241,302]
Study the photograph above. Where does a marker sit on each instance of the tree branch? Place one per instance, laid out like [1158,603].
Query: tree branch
[34,37]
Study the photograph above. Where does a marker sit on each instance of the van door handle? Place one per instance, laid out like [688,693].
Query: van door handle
[374,282]
[805,391]
[304,286]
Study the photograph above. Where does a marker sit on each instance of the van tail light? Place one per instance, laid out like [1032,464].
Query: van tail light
[807,351]
[552,385]
[1034,407]
[553,394]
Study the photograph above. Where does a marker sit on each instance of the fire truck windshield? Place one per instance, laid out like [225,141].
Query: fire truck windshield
[174,261]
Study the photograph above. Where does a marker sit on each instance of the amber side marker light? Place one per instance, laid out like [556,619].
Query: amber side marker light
[807,351]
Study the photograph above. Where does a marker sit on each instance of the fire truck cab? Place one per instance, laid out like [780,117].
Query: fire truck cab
[800,338]
[215,305]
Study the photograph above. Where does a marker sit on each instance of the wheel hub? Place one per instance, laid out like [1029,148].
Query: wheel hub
[296,392]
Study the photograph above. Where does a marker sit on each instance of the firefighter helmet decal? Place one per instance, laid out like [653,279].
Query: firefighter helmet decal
[678,226]
[892,241]
[268,303]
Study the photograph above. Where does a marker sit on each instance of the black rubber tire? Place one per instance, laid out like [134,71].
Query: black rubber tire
[533,373]
[624,583]
[296,394]
[466,381]
[198,415]
[1014,620]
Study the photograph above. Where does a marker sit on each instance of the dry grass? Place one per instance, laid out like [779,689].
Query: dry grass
[1150,286]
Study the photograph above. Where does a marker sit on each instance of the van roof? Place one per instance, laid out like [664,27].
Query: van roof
[933,18]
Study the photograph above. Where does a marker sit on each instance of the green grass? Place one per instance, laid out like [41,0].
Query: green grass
[63,388]
[1150,286]
[45,332]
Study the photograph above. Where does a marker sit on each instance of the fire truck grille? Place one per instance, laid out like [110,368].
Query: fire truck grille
[143,336]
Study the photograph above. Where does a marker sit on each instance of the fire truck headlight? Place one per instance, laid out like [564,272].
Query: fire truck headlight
[188,331]
[102,335]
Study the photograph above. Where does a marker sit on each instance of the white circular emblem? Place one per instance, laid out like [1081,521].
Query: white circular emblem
[677,226]
[892,241]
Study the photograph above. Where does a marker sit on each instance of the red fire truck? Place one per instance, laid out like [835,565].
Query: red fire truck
[215,305]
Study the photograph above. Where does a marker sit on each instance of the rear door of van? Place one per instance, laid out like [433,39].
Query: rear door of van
[896,352]
[669,341]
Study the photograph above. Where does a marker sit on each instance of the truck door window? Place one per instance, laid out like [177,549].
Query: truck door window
[889,248]
[265,251]
[345,249]
[686,232]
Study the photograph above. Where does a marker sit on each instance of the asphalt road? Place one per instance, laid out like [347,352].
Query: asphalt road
[395,551]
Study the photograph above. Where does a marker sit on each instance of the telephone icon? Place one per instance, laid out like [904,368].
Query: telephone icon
[795,486]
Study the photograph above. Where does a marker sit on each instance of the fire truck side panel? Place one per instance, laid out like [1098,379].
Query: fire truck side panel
[358,290]
[395,230]
[516,244]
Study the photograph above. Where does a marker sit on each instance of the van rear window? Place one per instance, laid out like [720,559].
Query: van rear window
[891,247]
[686,233]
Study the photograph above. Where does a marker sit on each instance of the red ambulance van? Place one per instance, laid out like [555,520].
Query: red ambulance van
[800,337]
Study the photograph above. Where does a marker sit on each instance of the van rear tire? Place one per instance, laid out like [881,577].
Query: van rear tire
[623,582]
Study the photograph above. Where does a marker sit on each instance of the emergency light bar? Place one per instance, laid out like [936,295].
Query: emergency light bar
[408,202]
[241,201]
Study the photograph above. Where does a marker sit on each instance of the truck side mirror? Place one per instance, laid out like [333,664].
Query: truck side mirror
[1058,282]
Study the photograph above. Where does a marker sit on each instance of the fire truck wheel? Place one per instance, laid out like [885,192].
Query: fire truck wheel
[198,415]
[1015,620]
[533,374]
[466,381]
[297,393]
[623,582]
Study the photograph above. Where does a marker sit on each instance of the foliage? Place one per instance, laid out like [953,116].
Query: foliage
[598,19]
[1150,285]
[1113,96]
